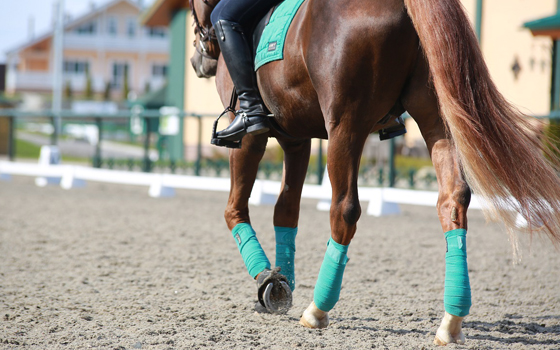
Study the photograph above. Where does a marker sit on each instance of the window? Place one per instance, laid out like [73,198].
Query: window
[76,67]
[112,26]
[120,71]
[89,28]
[157,32]
[131,27]
[159,70]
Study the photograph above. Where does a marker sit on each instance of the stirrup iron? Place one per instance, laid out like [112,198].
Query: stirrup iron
[221,142]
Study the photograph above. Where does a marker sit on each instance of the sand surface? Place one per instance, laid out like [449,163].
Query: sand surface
[108,267]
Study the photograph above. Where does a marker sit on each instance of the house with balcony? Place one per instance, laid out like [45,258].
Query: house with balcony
[100,49]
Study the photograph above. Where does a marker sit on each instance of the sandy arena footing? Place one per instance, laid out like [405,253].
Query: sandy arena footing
[108,267]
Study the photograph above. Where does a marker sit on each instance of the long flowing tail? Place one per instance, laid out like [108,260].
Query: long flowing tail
[500,149]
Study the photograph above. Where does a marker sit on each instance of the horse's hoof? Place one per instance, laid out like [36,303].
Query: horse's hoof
[450,331]
[273,291]
[314,318]
[446,338]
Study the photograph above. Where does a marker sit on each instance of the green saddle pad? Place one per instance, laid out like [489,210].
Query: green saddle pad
[271,45]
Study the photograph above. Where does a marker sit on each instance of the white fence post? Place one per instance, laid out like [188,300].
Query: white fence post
[69,179]
[325,203]
[159,190]
[50,155]
[378,206]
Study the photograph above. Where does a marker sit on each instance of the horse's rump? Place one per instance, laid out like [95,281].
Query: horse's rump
[363,54]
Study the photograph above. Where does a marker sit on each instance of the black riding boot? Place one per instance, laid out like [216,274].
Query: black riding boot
[252,118]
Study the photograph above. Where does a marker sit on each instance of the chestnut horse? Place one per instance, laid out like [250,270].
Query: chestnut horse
[348,64]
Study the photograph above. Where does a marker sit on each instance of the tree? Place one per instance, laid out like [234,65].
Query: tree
[126,87]
[89,89]
[68,90]
[107,92]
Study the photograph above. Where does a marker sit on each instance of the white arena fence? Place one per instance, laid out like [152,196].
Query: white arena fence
[381,201]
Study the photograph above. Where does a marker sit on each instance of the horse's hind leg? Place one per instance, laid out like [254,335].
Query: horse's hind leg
[345,148]
[453,201]
[286,211]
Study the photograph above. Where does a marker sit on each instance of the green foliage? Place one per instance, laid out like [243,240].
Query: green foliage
[26,149]
[402,162]
[126,86]
[274,154]
[8,100]
[313,163]
[552,135]
[68,93]
[107,91]
[88,94]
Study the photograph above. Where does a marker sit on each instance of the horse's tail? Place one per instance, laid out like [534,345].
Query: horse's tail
[500,150]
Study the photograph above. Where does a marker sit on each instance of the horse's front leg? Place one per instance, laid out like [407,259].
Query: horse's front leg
[343,164]
[272,288]
[286,211]
[244,165]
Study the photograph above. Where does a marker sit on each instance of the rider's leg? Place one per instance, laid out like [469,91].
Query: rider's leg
[232,19]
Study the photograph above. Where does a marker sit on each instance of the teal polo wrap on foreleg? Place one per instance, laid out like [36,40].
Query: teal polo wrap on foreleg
[457,294]
[329,282]
[286,252]
[251,251]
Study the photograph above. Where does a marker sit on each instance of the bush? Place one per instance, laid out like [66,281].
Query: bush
[68,93]
[107,92]
[89,89]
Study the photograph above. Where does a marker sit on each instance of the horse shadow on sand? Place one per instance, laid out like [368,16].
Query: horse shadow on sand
[515,332]
[521,332]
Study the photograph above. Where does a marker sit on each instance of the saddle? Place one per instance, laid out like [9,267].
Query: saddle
[392,123]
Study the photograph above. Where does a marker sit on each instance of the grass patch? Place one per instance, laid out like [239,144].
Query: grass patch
[28,150]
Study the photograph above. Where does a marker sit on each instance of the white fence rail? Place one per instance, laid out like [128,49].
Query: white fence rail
[381,201]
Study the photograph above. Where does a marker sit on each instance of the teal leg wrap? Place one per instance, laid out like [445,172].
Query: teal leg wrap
[286,252]
[327,289]
[251,251]
[457,294]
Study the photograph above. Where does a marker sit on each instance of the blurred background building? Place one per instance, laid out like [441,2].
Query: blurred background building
[122,51]
[104,50]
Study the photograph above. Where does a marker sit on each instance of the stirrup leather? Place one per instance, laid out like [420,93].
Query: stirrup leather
[221,142]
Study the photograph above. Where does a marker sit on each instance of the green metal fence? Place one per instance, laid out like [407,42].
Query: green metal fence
[370,175]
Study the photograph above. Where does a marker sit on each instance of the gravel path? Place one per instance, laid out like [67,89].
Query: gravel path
[108,267]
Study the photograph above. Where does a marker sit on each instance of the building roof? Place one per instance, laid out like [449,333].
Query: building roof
[73,23]
[159,14]
[547,26]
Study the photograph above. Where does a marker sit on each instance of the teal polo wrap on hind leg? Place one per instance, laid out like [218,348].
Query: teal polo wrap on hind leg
[251,251]
[286,252]
[457,294]
[329,282]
